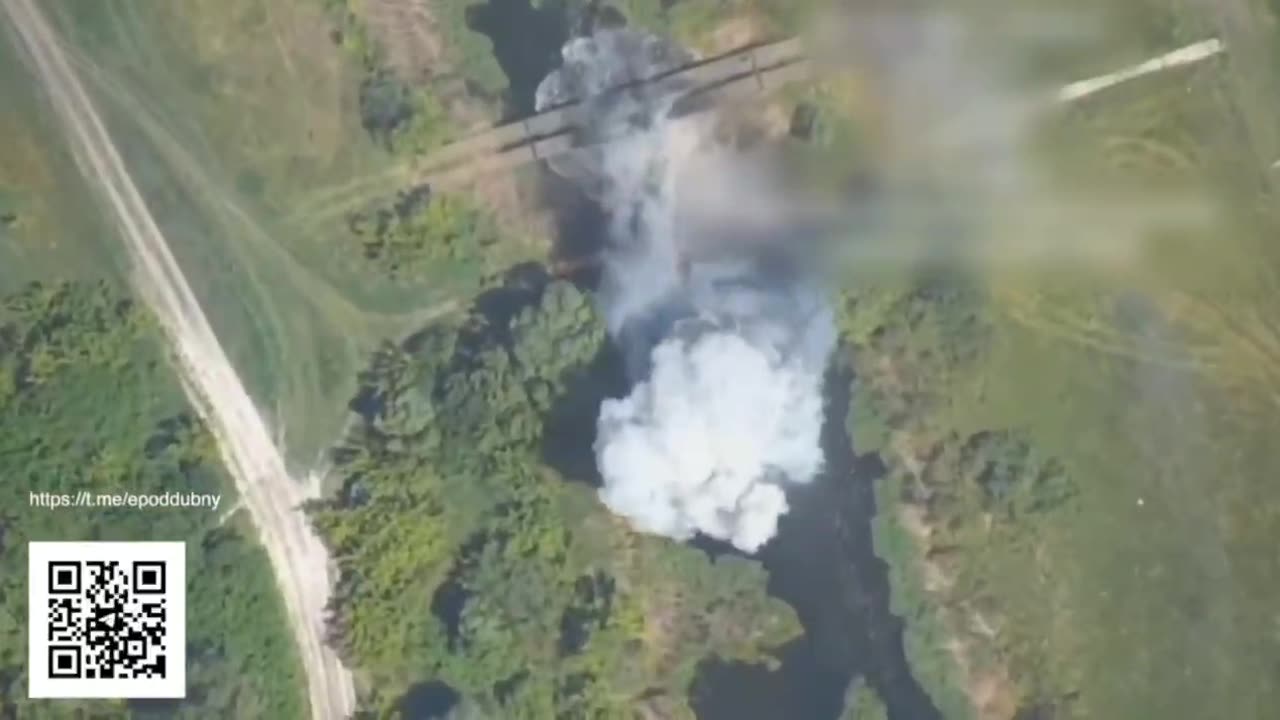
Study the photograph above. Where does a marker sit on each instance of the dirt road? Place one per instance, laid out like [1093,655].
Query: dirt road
[1187,55]
[298,558]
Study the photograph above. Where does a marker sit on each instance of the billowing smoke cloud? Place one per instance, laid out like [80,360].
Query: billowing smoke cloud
[726,336]
[967,115]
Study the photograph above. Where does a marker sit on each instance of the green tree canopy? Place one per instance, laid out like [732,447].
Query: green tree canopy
[465,559]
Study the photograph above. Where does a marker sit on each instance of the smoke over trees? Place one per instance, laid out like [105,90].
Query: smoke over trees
[464,559]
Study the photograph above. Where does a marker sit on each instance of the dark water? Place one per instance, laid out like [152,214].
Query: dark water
[526,42]
[823,565]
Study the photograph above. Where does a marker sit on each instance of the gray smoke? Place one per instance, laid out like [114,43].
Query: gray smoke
[726,337]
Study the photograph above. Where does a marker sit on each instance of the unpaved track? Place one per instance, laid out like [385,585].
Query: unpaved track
[298,558]
[1187,55]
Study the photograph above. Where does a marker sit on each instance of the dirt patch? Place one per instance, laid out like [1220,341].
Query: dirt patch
[22,165]
[738,32]
[408,34]
[512,198]
[301,36]
[991,692]
[992,695]
[413,47]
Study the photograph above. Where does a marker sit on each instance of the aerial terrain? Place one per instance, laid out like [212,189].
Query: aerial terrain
[925,368]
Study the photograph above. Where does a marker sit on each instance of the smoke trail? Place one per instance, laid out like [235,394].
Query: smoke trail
[726,337]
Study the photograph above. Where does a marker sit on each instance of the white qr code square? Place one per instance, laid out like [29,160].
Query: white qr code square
[107,619]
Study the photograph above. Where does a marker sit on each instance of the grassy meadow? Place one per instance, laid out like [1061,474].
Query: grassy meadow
[1150,383]
[232,117]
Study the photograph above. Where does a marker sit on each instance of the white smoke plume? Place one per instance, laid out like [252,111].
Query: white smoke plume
[726,338]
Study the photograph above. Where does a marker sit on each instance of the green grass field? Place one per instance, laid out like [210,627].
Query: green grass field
[231,116]
[53,228]
[1153,382]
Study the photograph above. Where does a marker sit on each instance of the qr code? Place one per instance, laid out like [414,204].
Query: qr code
[107,619]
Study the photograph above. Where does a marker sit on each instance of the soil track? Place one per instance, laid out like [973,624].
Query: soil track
[407,32]
[271,496]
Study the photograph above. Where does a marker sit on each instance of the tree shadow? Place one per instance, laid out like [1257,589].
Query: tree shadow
[521,287]
[451,597]
[427,700]
[568,437]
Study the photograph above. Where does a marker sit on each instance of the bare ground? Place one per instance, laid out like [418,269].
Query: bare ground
[407,33]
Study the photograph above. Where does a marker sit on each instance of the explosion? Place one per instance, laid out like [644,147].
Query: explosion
[726,337]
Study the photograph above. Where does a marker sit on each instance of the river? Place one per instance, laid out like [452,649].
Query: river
[822,563]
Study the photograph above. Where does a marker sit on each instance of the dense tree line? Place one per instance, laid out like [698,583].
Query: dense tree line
[466,560]
[87,402]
